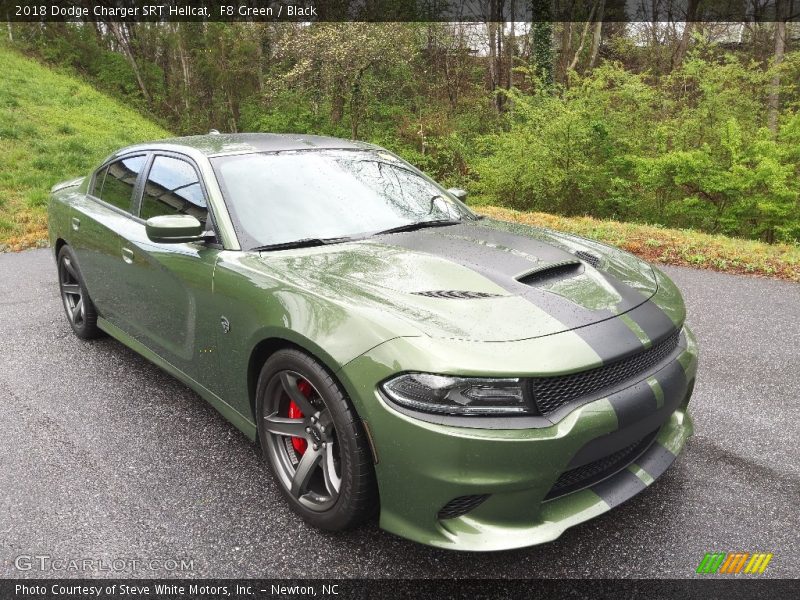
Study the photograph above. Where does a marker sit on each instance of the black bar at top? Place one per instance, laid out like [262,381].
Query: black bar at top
[399,10]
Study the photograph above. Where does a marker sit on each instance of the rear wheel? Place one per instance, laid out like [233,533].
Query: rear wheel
[314,442]
[80,310]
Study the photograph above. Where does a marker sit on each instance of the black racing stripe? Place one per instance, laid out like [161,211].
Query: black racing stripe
[542,249]
[630,296]
[500,263]
[619,488]
[634,404]
[637,414]
[653,321]
[499,266]
[672,380]
[611,339]
[656,460]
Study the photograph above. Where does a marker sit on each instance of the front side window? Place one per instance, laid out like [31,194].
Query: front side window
[173,188]
[283,197]
[114,184]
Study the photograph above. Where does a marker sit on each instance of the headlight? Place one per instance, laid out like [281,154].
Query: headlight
[457,395]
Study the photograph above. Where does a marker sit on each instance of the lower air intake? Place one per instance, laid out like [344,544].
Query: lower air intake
[461,506]
[589,474]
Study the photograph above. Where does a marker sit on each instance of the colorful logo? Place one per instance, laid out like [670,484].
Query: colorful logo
[733,563]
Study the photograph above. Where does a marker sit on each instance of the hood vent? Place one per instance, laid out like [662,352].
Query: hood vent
[456,294]
[549,272]
[590,258]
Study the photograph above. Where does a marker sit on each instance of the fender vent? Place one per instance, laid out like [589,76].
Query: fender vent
[456,294]
[461,506]
[590,258]
[547,273]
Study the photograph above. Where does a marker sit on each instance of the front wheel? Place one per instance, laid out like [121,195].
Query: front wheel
[314,442]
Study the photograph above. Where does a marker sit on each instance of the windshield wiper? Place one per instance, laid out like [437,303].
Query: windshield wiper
[420,225]
[303,243]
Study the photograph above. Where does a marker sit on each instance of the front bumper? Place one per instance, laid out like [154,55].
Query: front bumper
[422,466]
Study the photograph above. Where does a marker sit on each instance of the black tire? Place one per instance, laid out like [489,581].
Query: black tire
[80,311]
[314,496]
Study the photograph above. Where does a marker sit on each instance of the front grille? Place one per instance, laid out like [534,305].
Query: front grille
[456,294]
[551,393]
[591,473]
[461,506]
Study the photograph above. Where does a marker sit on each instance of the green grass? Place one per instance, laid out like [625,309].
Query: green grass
[683,247]
[52,127]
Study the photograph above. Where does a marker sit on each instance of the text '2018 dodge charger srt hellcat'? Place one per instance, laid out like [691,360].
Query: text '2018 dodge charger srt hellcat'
[480,385]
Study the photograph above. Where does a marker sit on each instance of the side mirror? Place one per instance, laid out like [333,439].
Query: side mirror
[173,229]
[458,193]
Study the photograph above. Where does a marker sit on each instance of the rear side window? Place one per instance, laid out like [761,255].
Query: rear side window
[115,183]
[173,188]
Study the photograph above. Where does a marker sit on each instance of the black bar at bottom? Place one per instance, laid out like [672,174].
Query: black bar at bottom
[739,587]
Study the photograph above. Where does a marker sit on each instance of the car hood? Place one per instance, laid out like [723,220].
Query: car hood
[483,281]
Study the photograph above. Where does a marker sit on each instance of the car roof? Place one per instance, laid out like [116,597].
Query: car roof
[219,144]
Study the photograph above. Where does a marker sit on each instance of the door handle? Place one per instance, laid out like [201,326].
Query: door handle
[127,255]
[76,223]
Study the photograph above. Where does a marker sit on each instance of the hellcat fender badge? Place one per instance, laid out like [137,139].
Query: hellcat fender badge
[226,325]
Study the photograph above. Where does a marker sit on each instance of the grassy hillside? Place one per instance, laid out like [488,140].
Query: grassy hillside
[52,127]
[55,127]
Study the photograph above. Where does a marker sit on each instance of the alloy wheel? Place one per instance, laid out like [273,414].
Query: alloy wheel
[71,292]
[301,440]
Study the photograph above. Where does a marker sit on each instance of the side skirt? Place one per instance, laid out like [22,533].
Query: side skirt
[240,421]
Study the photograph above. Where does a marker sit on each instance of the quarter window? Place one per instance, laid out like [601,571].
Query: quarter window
[172,187]
[115,183]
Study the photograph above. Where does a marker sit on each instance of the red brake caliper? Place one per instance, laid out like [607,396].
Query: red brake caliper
[298,443]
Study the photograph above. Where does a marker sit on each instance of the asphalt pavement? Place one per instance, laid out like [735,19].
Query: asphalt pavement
[105,457]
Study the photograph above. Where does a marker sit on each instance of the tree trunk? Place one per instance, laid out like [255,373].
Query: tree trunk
[124,43]
[566,44]
[688,29]
[577,56]
[597,35]
[773,101]
[510,44]
[542,49]
[337,104]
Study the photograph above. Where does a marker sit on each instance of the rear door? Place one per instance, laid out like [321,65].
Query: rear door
[167,288]
[97,220]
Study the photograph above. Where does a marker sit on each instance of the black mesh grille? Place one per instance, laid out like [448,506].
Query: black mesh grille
[456,294]
[460,506]
[581,477]
[588,257]
[551,393]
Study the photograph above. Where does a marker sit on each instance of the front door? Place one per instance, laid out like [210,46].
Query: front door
[168,287]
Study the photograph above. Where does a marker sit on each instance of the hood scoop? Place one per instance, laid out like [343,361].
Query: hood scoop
[548,273]
[456,294]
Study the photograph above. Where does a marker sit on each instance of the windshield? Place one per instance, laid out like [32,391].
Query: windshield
[283,197]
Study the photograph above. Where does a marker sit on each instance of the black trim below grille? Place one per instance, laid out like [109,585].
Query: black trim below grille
[461,506]
[594,472]
[551,393]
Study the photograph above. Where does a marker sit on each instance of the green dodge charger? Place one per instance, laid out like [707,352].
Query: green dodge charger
[479,385]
